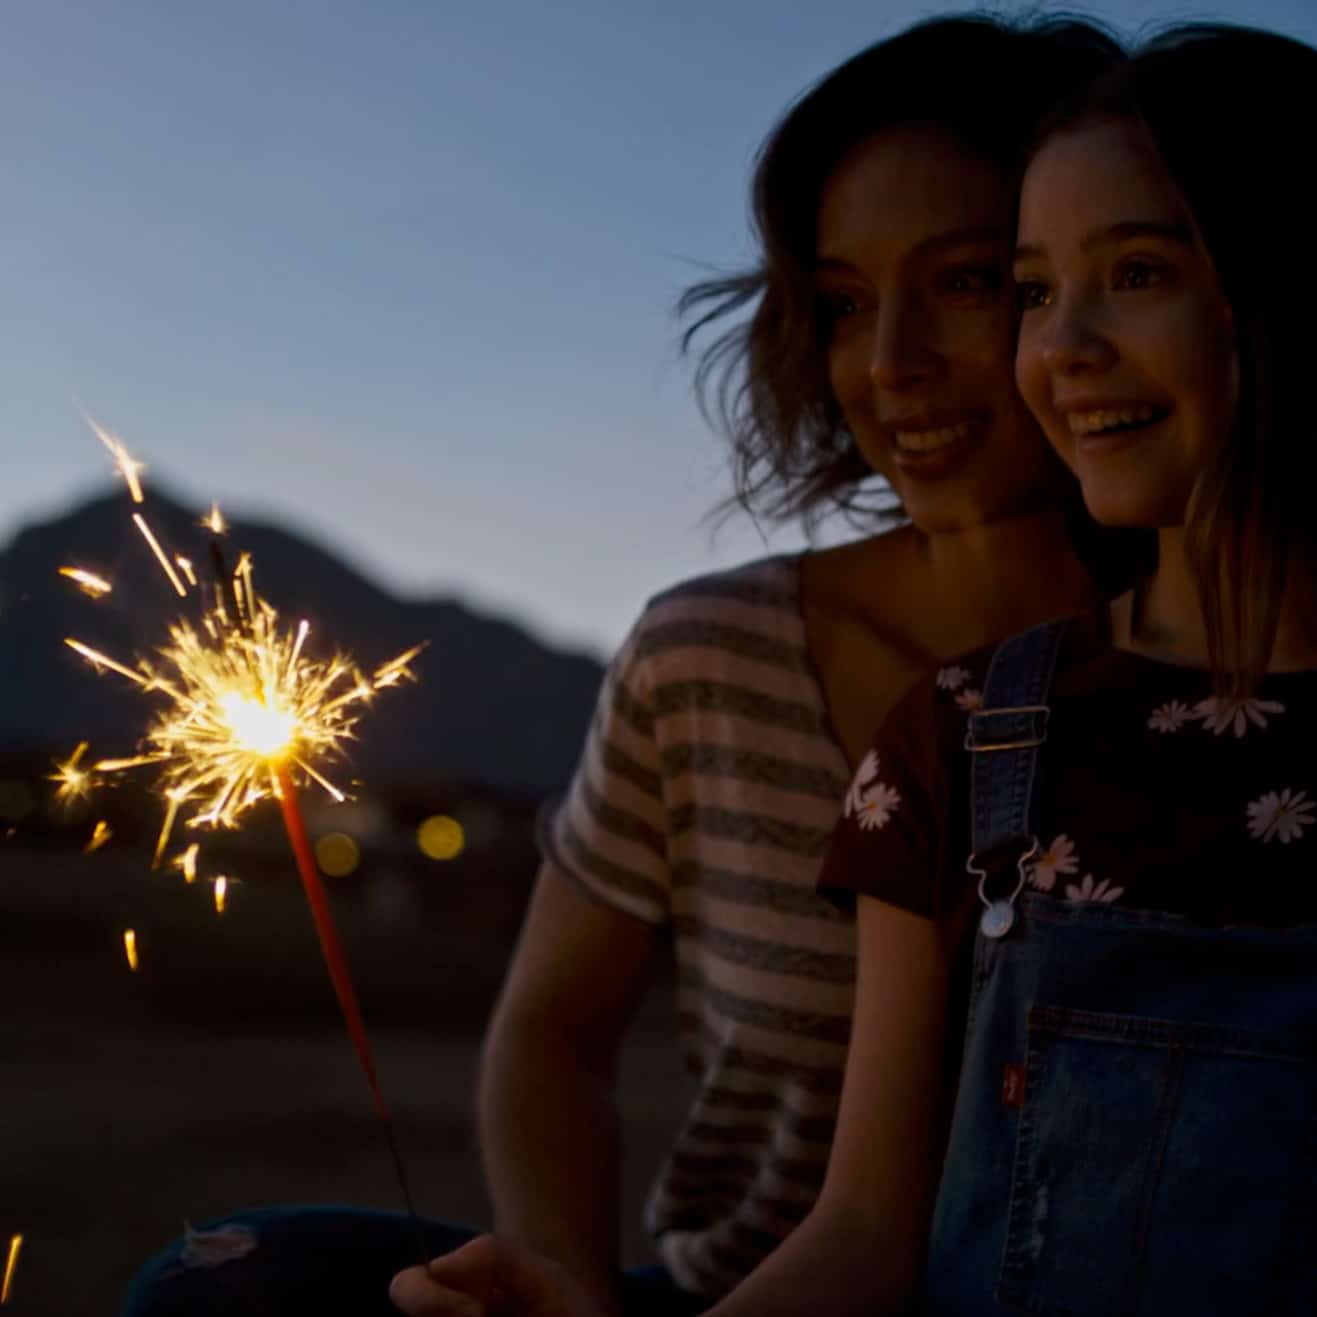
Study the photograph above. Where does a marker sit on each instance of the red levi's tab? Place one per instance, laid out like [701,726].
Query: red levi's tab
[1012,1086]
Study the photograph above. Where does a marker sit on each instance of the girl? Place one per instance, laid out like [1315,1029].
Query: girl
[1120,837]
[880,342]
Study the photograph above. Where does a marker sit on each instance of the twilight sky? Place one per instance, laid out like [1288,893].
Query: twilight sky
[399,274]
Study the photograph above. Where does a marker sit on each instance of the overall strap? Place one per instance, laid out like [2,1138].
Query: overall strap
[1004,736]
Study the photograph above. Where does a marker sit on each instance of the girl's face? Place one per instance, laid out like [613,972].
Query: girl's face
[913,279]
[1126,352]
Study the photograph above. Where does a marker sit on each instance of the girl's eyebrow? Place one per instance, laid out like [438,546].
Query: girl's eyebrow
[1126,230]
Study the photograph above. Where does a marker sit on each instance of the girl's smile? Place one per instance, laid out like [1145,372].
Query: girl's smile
[1126,353]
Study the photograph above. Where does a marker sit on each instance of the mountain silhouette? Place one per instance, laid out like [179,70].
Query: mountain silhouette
[492,706]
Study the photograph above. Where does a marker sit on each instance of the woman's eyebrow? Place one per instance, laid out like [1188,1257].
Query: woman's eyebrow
[1125,231]
[935,242]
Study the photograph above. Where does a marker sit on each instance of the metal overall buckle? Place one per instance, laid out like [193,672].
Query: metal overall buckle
[998,916]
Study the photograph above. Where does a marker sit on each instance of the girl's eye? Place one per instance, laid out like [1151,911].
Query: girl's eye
[973,280]
[1032,293]
[1137,274]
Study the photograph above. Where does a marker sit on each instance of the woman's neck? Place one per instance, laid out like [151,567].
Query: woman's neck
[1000,578]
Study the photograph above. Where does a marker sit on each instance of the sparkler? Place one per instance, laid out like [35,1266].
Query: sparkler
[241,713]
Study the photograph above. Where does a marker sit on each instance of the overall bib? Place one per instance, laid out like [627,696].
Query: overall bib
[1135,1127]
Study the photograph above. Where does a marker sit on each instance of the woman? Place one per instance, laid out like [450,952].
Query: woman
[881,342]
[1125,844]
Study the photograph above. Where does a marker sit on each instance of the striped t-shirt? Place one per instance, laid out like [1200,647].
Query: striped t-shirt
[705,796]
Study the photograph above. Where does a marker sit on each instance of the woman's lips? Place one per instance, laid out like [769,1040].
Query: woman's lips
[932,448]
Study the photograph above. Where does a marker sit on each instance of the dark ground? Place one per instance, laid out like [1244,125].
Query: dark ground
[219,1076]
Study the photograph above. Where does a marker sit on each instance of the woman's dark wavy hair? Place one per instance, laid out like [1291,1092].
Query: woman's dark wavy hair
[983,80]
[1230,111]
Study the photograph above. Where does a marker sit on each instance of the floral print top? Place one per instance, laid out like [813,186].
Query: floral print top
[1152,793]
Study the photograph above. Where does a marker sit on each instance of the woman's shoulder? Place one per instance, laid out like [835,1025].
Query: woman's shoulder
[750,608]
[771,584]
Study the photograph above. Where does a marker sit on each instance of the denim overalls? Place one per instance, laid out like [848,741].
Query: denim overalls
[1135,1128]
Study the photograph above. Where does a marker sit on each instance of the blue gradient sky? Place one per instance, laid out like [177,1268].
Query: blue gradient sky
[399,274]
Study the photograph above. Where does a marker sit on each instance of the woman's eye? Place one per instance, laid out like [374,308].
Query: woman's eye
[836,307]
[1138,274]
[1032,293]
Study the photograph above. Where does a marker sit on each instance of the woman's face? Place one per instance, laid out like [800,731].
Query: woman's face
[1126,353]
[914,240]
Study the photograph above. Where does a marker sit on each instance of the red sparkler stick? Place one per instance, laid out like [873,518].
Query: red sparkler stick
[337,964]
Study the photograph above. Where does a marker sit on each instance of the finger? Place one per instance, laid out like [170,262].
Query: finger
[418,1294]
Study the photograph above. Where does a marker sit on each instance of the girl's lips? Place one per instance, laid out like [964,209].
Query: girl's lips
[1102,443]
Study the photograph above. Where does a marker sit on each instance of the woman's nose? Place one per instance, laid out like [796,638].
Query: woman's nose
[903,352]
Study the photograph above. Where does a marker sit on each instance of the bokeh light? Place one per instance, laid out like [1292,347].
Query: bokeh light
[337,854]
[441,837]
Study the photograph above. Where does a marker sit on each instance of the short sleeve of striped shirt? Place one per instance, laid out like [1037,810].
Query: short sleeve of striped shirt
[609,833]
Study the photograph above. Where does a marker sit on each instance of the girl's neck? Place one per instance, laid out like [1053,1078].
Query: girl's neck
[1162,618]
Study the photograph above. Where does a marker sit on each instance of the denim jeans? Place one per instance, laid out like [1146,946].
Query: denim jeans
[325,1262]
[1135,1127]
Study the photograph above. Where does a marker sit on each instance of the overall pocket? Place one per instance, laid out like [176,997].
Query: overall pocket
[1161,1168]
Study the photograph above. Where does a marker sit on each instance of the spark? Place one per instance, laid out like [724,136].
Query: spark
[186,862]
[213,521]
[11,1265]
[236,701]
[221,892]
[149,536]
[100,834]
[185,566]
[130,948]
[128,467]
[87,581]
[99,660]
[74,782]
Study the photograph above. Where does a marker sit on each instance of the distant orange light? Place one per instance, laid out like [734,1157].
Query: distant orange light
[337,854]
[130,948]
[441,837]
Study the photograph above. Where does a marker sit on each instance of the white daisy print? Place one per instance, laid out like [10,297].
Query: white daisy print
[1087,890]
[1170,717]
[969,699]
[1058,858]
[1280,816]
[864,776]
[952,677]
[876,806]
[1218,715]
